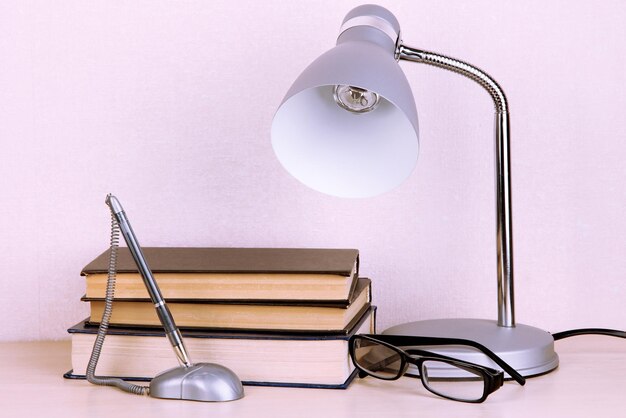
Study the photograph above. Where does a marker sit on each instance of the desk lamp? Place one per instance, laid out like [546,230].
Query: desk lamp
[348,127]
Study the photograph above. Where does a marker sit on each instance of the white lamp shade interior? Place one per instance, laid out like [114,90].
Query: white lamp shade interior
[340,153]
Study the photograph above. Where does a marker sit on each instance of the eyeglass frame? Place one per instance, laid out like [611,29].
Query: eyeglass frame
[492,379]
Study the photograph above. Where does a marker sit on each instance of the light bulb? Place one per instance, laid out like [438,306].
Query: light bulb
[355,99]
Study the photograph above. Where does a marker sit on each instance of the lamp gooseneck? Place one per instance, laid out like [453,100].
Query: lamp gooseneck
[485,80]
[504,227]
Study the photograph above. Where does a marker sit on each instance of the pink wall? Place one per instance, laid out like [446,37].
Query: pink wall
[169,105]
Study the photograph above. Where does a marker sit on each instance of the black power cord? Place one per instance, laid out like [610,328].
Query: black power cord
[589,331]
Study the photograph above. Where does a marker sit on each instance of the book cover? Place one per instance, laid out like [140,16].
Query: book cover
[300,360]
[233,273]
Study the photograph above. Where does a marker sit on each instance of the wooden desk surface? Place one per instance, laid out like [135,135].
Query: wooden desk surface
[590,382]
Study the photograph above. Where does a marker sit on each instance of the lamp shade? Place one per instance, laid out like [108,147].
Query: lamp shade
[342,153]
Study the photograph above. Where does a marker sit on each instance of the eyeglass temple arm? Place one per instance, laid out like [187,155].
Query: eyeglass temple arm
[422,353]
[410,341]
[504,229]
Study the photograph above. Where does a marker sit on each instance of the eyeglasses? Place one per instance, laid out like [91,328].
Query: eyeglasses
[378,356]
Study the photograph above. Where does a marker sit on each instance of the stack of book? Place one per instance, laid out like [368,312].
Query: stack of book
[274,316]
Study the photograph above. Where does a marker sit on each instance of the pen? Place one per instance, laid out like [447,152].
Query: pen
[165,316]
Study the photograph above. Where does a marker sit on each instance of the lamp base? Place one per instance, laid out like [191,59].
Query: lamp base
[527,349]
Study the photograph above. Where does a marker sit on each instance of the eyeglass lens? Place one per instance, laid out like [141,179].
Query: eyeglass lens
[377,359]
[452,381]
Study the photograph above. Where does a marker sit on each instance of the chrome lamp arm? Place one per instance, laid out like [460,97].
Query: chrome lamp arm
[504,227]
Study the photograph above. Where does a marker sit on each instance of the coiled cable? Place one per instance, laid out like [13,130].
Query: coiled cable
[104,323]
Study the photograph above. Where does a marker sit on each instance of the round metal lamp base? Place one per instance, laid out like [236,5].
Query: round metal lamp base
[527,349]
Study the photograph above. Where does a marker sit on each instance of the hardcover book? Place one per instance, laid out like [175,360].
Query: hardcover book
[278,359]
[300,317]
[252,274]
